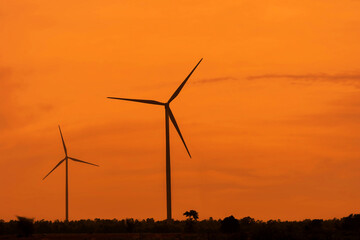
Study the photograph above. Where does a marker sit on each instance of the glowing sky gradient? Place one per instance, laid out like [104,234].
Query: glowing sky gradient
[271,116]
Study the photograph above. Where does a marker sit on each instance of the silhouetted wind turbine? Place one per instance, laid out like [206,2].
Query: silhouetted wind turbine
[168,114]
[66,181]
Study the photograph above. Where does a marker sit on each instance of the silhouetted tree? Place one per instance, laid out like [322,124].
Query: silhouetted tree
[352,222]
[192,214]
[246,221]
[25,226]
[230,225]
[130,225]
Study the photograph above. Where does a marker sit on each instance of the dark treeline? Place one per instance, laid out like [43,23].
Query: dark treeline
[246,228]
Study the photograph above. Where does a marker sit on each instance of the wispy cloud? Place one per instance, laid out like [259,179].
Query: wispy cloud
[7,86]
[7,89]
[4,72]
[218,79]
[12,111]
[310,77]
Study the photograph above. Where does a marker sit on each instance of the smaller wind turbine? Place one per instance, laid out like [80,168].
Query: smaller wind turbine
[66,181]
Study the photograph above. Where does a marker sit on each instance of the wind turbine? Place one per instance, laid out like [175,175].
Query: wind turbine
[168,114]
[66,159]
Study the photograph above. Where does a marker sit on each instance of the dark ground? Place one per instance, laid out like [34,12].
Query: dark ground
[229,228]
[125,236]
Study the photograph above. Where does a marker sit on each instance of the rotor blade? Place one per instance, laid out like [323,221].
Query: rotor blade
[177,129]
[63,141]
[183,83]
[54,168]
[77,160]
[139,100]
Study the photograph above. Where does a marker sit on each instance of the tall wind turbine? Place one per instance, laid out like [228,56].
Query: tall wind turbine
[66,159]
[168,114]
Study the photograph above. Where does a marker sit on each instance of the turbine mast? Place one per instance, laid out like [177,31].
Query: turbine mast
[67,192]
[168,175]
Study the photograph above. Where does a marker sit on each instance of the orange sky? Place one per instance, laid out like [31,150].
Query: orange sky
[271,115]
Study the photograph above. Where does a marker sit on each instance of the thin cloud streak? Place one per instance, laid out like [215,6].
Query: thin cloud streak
[219,79]
[13,111]
[7,88]
[310,77]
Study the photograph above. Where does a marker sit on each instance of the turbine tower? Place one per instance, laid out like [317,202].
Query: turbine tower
[66,159]
[168,114]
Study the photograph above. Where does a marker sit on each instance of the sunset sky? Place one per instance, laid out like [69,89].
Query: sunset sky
[271,116]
